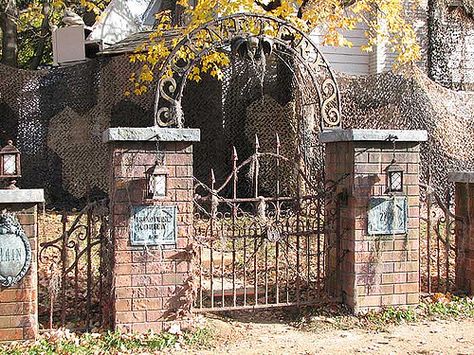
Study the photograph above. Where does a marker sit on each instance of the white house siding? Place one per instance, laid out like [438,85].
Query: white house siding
[344,59]
[356,62]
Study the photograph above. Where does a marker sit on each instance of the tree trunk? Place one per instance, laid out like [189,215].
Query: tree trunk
[39,51]
[8,24]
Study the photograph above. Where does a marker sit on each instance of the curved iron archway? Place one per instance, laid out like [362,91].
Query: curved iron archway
[220,34]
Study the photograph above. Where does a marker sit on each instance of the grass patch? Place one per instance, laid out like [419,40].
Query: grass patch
[62,341]
[437,306]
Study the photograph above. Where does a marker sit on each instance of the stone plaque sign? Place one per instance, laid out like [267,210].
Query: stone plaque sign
[15,251]
[153,225]
[387,215]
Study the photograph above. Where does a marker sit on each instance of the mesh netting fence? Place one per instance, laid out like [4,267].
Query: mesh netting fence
[57,118]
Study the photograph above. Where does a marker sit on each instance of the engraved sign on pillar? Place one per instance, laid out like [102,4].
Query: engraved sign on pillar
[387,215]
[15,251]
[153,225]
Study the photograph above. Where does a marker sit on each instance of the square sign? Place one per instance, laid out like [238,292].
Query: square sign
[153,225]
[387,215]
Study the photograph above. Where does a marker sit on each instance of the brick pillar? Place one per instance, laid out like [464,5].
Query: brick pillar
[464,205]
[370,271]
[150,284]
[19,302]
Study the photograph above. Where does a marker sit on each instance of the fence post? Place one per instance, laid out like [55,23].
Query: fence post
[464,214]
[375,258]
[151,227]
[19,302]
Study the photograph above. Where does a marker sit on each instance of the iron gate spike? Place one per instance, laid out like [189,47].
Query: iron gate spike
[235,157]
[257,144]
[213,178]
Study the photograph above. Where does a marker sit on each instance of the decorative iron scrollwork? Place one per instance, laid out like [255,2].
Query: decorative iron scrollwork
[267,35]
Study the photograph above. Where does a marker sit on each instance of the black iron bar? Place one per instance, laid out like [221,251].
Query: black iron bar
[266,272]
[90,217]
[428,239]
[200,277]
[245,269]
[318,246]
[65,237]
[308,252]
[223,240]
[278,207]
[234,221]
[438,255]
[255,266]
[288,241]
[447,239]
[77,252]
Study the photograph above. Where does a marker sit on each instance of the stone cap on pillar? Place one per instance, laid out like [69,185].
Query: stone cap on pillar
[151,134]
[372,135]
[21,196]
[461,176]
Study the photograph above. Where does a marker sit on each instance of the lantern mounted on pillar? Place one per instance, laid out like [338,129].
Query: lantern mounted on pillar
[156,178]
[394,177]
[394,172]
[10,167]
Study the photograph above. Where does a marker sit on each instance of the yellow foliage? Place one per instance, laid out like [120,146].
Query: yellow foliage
[383,18]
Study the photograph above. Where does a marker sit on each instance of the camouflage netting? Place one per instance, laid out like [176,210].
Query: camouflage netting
[57,118]
[410,100]
[451,48]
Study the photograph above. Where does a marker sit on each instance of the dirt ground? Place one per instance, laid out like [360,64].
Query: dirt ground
[261,336]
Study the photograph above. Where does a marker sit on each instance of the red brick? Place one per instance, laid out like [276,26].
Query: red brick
[147,280]
[369,301]
[129,269]
[174,279]
[160,291]
[123,281]
[406,288]
[130,317]
[149,304]
[388,300]
[413,277]
[179,159]
[394,278]
[413,298]
[7,309]
[160,268]
[122,305]
[155,316]
[10,334]
[405,266]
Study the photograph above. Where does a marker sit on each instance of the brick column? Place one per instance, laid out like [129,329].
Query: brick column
[464,205]
[19,303]
[372,271]
[150,285]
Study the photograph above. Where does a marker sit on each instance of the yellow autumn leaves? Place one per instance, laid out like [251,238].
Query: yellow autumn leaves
[384,20]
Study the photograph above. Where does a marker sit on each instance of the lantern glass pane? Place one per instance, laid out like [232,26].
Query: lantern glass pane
[395,180]
[158,185]
[9,164]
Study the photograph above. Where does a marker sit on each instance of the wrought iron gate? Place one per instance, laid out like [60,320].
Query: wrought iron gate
[260,235]
[74,269]
[439,229]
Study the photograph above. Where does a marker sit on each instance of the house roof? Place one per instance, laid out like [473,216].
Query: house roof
[132,42]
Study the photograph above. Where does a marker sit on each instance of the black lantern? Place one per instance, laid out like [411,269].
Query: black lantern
[10,167]
[156,178]
[394,177]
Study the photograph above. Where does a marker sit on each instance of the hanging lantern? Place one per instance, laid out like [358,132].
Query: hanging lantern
[156,178]
[10,167]
[394,177]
